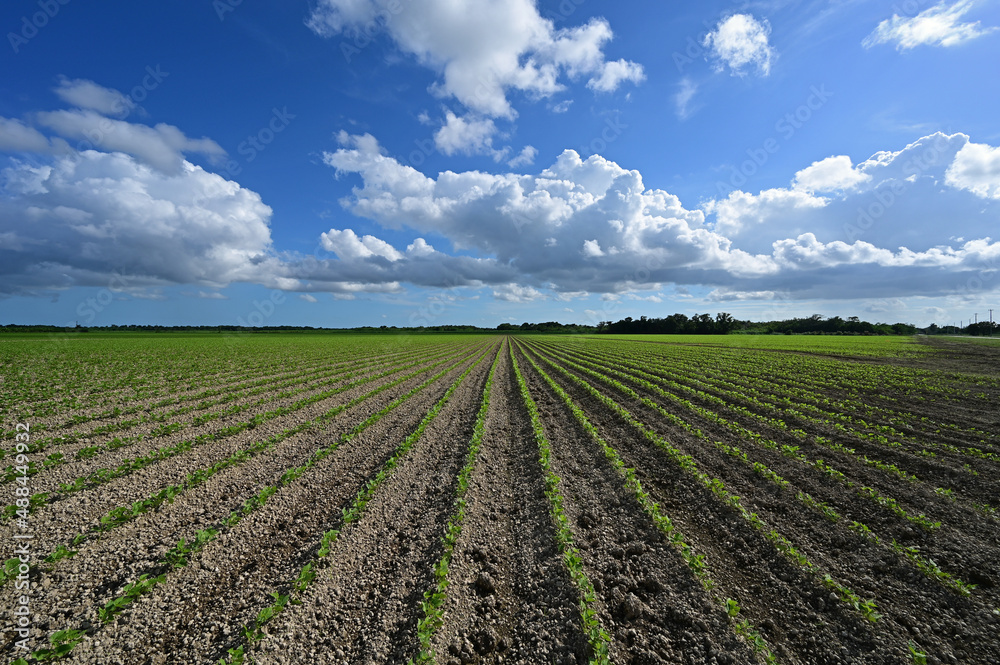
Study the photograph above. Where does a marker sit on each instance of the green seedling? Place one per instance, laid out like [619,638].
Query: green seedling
[919,657]
[732,607]
[61,552]
[88,452]
[10,570]
[305,578]
[62,643]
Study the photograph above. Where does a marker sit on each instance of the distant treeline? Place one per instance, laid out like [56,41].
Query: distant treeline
[675,324]
[724,323]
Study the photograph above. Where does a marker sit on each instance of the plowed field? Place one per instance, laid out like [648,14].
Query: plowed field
[499,499]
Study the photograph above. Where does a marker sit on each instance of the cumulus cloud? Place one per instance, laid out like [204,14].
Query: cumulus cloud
[87,216]
[593,225]
[892,198]
[469,135]
[549,228]
[977,169]
[483,49]
[348,246]
[830,174]
[740,42]
[901,222]
[517,293]
[122,206]
[939,25]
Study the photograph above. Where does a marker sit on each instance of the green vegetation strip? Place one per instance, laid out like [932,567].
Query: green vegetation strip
[433,603]
[597,636]
[124,514]
[349,515]
[231,391]
[128,466]
[835,415]
[791,452]
[717,487]
[180,555]
[662,521]
[924,564]
[169,428]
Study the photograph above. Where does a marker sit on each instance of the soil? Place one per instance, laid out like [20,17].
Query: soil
[510,597]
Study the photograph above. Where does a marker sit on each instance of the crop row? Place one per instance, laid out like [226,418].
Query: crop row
[124,514]
[696,562]
[181,554]
[783,545]
[924,564]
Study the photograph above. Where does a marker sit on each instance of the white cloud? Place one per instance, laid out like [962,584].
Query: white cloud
[162,146]
[578,225]
[212,295]
[562,106]
[85,94]
[517,293]
[469,135]
[887,226]
[420,247]
[525,158]
[977,169]
[828,175]
[742,213]
[613,73]
[682,100]
[740,42]
[483,48]
[86,217]
[733,295]
[348,246]
[937,26]
[592,249]
[15,136]
[308,297]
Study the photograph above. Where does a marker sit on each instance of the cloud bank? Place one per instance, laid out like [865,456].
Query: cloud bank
[919,220]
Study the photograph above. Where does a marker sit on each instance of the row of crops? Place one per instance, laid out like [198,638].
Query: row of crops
[279,498]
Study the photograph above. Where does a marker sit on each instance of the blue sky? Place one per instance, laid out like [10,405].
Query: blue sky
[421,162]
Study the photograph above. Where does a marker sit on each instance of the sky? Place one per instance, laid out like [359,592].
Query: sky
[339,163]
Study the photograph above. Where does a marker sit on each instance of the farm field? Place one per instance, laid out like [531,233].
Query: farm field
[293,498]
